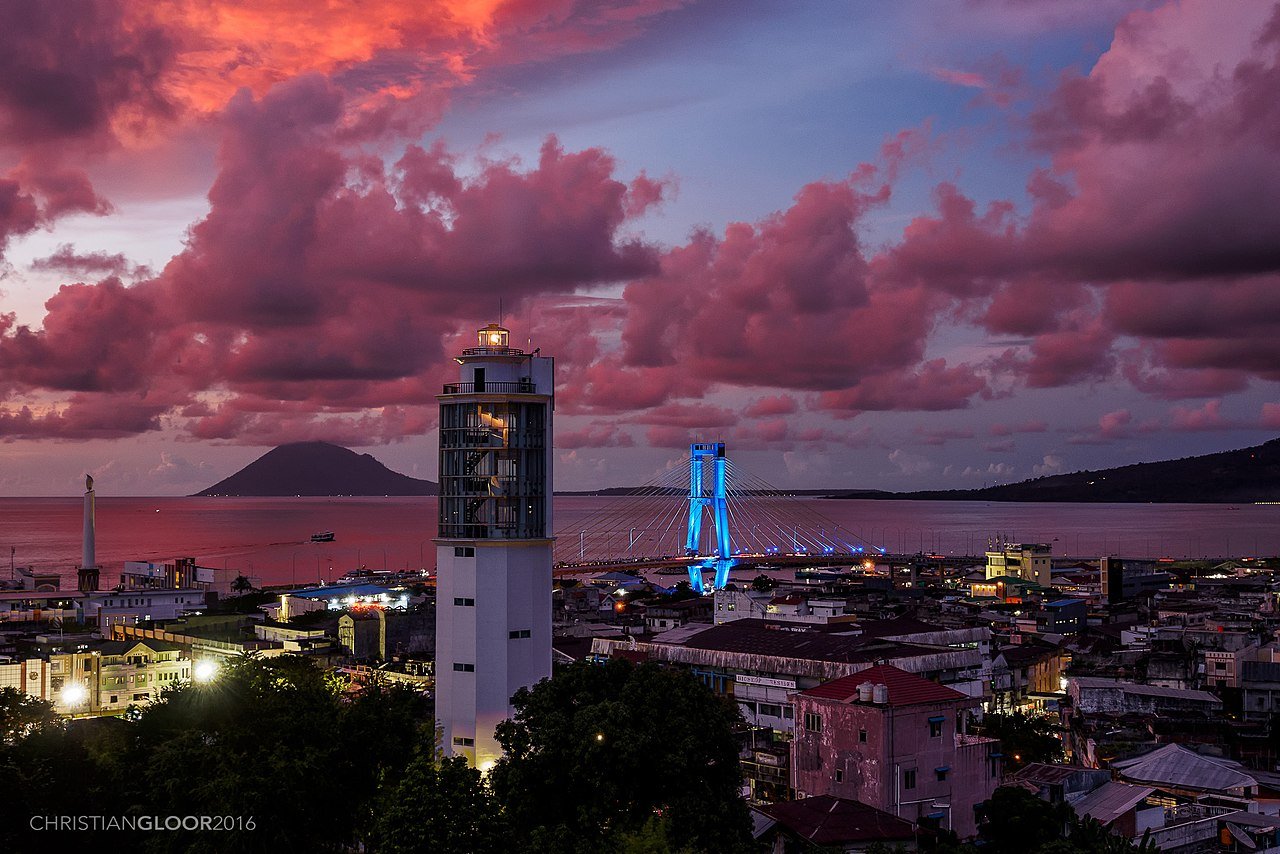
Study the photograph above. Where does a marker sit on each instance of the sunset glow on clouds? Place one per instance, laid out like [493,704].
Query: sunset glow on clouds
[1073,258]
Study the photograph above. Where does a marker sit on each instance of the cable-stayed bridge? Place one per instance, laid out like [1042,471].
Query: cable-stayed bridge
[710,514]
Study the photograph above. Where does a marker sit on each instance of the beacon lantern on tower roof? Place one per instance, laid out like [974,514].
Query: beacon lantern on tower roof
[493,544]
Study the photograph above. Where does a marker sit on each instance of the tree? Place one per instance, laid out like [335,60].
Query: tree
[242,584]
[1018,821]
[273,739]
[22,715]
[438,806]
[596,752]
[1023,738]
[681,591]
[763,583]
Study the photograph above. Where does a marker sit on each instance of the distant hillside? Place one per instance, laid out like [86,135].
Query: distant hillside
[318,469]
[1230,477]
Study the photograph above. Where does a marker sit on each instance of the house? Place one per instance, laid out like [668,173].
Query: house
[897,742]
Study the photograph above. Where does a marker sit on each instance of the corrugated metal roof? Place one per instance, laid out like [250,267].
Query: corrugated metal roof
[1145,690]
[339,590]
[1111,800]
[1045,773]
[1175,765]
[905,688]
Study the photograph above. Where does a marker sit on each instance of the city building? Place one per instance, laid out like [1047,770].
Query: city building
[125,607]
[1094,694]
[1062,616]
[897,742]
[101,678]
[363,633]
[493,547]
[1028,561]
[181,572]
[761,663]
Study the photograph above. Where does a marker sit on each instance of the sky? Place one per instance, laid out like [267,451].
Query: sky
[887,245]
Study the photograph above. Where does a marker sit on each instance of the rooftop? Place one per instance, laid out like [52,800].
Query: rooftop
[825,820]
[789,640]
[1044,773]
[1111,800]
[338,590]
[905,689]
[1100,682]
[121,647]
[1175,765]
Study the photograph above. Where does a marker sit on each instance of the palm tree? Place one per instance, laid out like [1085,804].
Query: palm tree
[242,584]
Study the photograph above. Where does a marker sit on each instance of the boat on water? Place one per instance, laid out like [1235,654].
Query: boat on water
[322,537]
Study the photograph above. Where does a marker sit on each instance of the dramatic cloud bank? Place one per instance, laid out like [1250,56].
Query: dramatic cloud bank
[346,252]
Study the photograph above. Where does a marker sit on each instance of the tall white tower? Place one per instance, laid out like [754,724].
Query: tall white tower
[88,573]
[493,550]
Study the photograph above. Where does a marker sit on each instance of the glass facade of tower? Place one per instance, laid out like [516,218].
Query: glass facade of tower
[493,478]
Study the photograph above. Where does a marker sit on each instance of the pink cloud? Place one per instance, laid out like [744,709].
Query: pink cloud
[781,404]
[1206,417]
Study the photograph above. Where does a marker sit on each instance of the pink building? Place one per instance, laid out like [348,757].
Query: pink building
[897,742]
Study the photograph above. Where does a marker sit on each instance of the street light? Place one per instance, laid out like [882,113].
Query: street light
[73,694]
[205,671]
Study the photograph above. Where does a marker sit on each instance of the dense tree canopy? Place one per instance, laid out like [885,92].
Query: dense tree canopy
[595,754]
[277,740]
[614,757]
[439,806]
[1023,738]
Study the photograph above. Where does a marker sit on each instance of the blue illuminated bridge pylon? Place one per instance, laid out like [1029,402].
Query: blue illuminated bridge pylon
[705,513]
[713,502]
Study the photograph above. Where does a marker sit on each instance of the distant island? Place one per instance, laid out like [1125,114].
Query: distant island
[1243,476]
[317,469]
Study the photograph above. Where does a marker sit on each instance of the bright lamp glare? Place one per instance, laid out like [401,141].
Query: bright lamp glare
[205,671]
[73,694]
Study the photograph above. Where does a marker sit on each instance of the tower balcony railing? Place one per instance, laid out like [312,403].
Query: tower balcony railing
[495,350]
[521,387]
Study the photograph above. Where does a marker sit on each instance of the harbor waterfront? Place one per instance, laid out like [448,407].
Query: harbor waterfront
[270,538]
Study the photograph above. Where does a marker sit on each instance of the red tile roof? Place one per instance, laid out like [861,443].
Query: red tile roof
[905,689]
